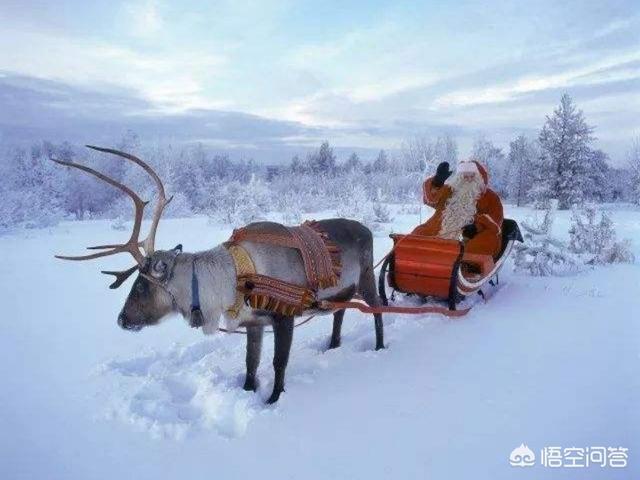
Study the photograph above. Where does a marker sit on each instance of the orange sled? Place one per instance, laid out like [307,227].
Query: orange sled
[439,268]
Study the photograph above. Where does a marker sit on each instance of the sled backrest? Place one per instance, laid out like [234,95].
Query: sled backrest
[426,265]
[510,232]
[423,265]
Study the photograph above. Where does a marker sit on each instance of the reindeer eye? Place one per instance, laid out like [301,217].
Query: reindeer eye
[160,266]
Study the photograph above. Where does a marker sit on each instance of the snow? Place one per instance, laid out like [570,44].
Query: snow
[548,361]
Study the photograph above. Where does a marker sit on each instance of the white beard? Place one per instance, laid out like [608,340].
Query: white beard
[460,208]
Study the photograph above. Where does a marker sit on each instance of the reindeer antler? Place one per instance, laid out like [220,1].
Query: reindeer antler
[148,244]
[133,244]
[121,276]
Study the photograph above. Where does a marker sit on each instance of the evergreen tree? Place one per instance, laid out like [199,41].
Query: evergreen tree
[520,161]
[296,166]
[565,155]
[381,163]
[541,254]
[599,182]
[633,159]
[353,163]
[493,159]
[323,161]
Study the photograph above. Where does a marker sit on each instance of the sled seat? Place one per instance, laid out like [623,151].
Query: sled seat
[475,266]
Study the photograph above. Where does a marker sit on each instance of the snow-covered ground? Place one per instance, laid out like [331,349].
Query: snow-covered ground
[547,362]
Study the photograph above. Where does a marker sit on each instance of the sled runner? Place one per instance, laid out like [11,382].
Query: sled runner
[433,267]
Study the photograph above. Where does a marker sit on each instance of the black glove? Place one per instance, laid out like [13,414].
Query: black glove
[469,231]
[442,173]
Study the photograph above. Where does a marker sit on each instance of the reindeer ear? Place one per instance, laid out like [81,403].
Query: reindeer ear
[178,248]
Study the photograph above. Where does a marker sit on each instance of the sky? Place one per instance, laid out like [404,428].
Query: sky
[270,78]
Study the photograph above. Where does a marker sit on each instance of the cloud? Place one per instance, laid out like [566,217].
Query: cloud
[172,80]
[144,18]
[294,73]
[35,109]
[596,73]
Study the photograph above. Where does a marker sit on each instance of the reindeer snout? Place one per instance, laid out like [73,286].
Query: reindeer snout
[123,322]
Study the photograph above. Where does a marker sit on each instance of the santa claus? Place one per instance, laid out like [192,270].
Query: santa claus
[465,208]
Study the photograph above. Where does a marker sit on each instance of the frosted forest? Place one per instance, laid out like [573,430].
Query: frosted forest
[559,169]
[560,163]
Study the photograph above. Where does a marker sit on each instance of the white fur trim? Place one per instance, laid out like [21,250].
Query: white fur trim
[492,221]
[468,167]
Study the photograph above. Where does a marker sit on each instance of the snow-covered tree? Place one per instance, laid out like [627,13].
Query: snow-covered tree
[187,178]
[493,159]
[633,160]
[296,166]
[33,189]
[542,254]
[599,182]
[446,150]
[418,154]
[592,241]
[353,163]
[356,204]
[381,212]
[622,184]
[563,170]
[593,237]
[423,155]
[237,203]
[591,230]
[323,160]
[519,169]
[381,163]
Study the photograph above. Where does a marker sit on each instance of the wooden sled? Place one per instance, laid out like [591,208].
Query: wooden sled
[433,267]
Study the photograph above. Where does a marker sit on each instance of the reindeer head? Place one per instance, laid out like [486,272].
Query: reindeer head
[150,299]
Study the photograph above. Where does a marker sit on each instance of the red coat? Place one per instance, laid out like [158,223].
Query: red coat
[488,217]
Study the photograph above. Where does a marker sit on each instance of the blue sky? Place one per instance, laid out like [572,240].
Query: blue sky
[280,76]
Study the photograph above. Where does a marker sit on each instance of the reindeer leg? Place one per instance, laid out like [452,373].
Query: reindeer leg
[282,335]
[337,329]
[254,347]
[367,287]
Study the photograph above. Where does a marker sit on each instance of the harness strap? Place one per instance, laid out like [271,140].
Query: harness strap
[197,319]
[364,308]
[320,255]
[244,267]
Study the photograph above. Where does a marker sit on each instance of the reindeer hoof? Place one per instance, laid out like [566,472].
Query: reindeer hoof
[196,320]
[380,347]
[274,397]
[250,384]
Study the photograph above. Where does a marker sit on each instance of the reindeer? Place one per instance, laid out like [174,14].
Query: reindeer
[201,286]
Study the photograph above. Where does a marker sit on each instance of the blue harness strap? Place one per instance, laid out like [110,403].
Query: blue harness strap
[197,319]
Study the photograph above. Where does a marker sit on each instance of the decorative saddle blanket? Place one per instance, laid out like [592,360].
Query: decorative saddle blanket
[320,256]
